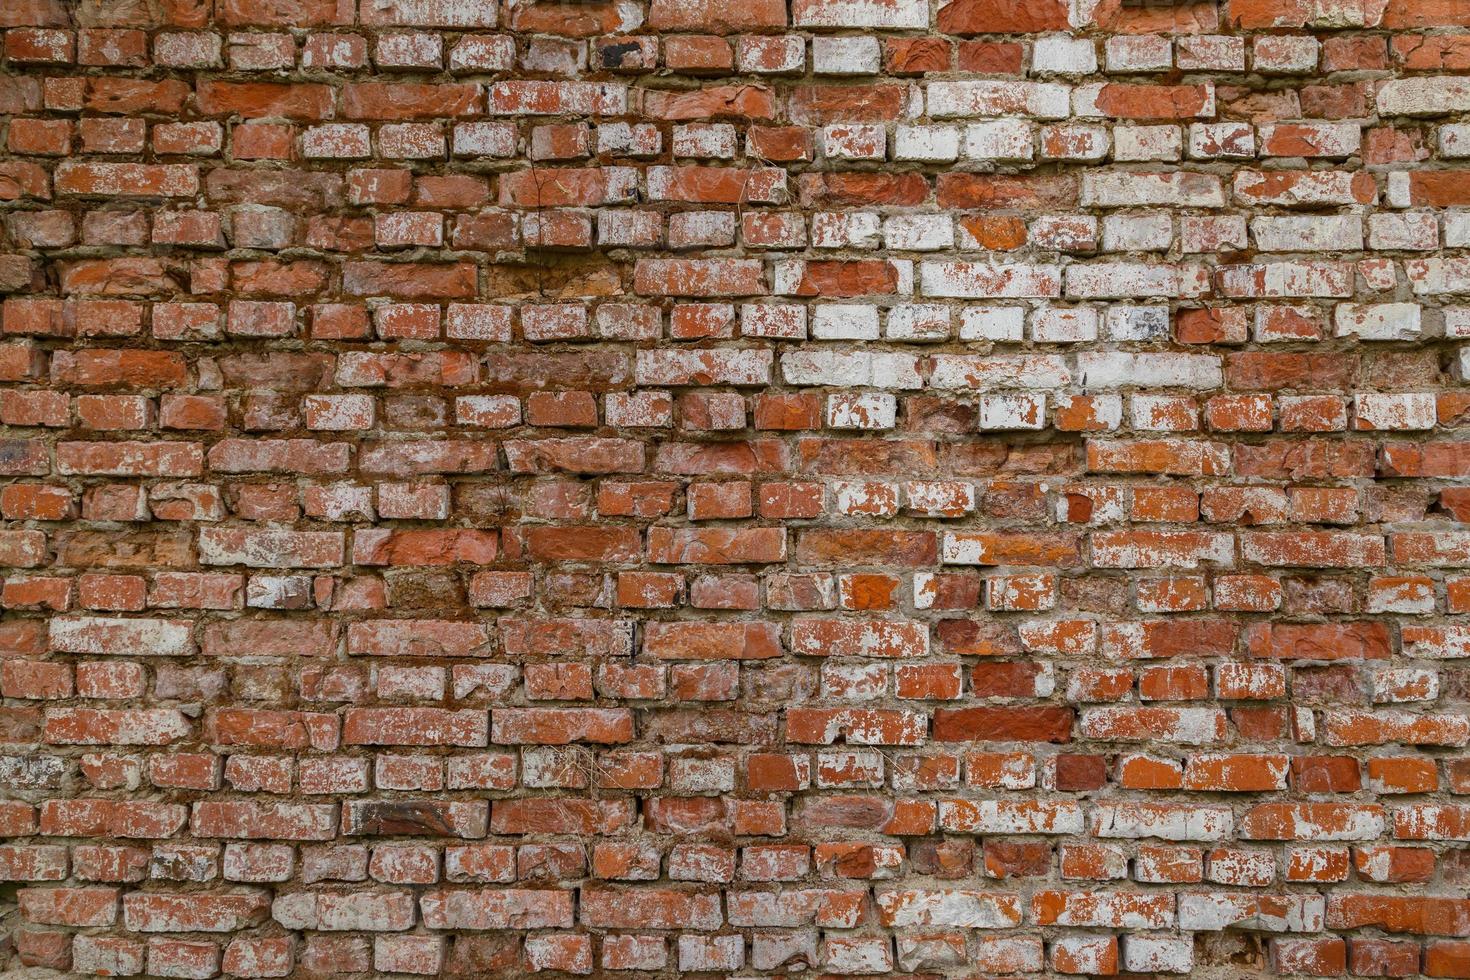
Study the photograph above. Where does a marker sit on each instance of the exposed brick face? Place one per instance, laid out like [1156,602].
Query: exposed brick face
[729,487]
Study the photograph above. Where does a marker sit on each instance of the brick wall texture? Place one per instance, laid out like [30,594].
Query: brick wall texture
[931,488]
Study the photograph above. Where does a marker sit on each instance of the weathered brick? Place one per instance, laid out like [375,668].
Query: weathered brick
[665,403]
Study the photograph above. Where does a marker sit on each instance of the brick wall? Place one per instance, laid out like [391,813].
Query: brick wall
[957,489]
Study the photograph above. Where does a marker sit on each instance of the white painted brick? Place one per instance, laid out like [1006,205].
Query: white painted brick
[1377,321]
[1457,321]
[1001,323]
[1209,52]
[929,144]
[846,55]
[918,322]
[862,410]
[918,232]
[1116,280]
[1225,140]
[1136,323]
[1407,231]
[851,369]
[483,52]
[989,97]
[1121,369]
[1165,821]
[1139,53]
[1454,140]
[1158,954]
[1397,411]
[1068,141]
[1061,55]
[1308,233]
[705,140]
[844,321]
[988,280]
[786,321]
[338,141]
[892,14]
[1003,139]
[1314,139]
[1137,232]
[1136,144]
[1064,325]
[846,229]
[1125,189]
[1424,95]
[1457,228]
[854,141]
[771,55]
[1000,372]
[624,139]
[1158,413]
[1012,411]
[1287,54]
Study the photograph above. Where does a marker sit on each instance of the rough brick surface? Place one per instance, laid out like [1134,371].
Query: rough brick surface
[960,489]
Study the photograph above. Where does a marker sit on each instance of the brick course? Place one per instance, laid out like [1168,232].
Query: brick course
[733,486]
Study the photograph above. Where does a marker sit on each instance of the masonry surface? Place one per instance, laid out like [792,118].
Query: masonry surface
[940,489]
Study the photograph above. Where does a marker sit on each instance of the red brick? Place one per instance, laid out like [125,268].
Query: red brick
[405,521]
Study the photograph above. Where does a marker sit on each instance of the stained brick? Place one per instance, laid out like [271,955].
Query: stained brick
[659,425]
